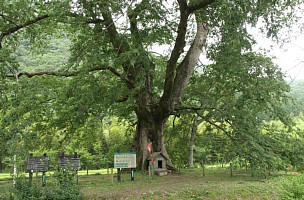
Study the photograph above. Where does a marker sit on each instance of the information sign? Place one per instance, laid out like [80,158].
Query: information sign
[125,160]
[37,163]
[70,162]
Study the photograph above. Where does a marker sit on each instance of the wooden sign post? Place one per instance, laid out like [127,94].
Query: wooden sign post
[37,164]
[69,163]
[125,160]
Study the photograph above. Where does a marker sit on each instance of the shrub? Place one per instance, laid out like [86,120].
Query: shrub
[23,190]
[4,196]
[294,188]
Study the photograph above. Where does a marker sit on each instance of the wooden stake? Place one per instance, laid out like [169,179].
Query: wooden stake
[112,176]
[231,169]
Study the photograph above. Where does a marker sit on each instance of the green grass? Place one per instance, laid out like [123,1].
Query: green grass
[189,184]
[5,176]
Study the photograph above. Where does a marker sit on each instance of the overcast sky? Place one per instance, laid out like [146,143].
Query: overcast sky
[290,57]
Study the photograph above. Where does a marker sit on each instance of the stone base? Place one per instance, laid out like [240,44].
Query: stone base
[161,172]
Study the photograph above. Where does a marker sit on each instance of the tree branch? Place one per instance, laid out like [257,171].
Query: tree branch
[200,5]
[181,34]
[222,129]
[132,14]
[186,67]
[68,74]
[117,42]
[32,74]
[20,26]
[180,108]
[95,21]
[177,50]
[120,44]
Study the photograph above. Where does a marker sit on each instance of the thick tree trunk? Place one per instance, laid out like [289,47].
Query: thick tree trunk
[191,147]
[152,114]
[150,131]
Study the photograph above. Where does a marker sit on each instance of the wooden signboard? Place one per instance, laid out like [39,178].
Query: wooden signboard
[69,162]
[37,163]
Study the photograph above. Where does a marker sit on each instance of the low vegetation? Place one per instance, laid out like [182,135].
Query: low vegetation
[188,184]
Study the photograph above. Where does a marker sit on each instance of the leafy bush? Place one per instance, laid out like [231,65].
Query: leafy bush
[23,190]
[4,196]
[65,177]
[294,188]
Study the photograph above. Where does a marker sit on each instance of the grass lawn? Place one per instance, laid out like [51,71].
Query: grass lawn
[189,184]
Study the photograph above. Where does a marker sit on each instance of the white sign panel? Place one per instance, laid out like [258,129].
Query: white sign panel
[125,160]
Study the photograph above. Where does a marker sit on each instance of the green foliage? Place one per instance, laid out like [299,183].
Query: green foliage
[182,126]
[65,177]
[213,146]
[293,187]
[23,190]
[119,139]
[239,94]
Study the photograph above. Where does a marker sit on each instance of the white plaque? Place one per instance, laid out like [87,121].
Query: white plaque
[125,160]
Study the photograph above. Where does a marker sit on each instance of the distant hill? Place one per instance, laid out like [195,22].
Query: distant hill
[52,58]
[297,92]
[297,89]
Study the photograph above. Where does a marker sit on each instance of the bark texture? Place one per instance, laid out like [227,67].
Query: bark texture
[196,121]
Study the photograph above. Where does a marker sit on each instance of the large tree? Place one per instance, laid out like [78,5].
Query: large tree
[112,43]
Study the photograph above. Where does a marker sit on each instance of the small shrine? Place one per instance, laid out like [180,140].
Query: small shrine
[159,163]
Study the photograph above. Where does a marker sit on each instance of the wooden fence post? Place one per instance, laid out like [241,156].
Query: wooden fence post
[203,166]
[231,169]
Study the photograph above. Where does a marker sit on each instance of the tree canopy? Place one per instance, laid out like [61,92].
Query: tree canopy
[113,69]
